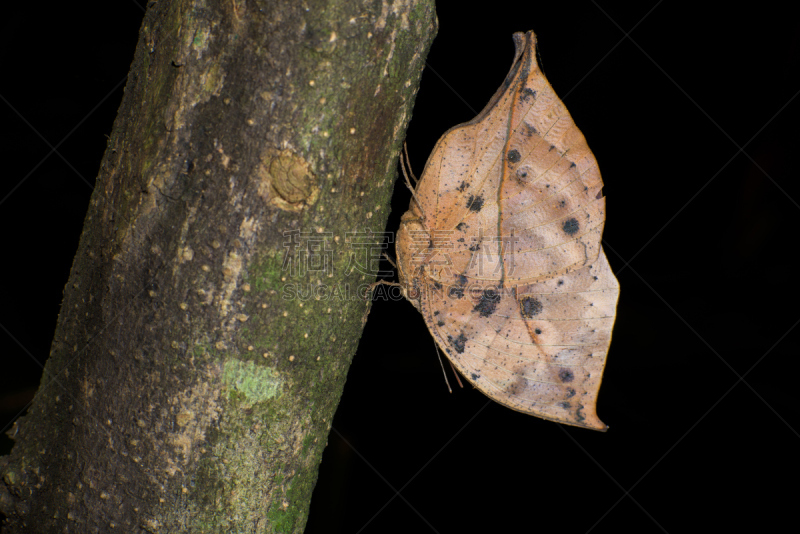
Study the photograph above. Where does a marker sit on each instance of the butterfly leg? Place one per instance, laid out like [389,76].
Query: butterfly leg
[390,260]
[456,375]
[373,285]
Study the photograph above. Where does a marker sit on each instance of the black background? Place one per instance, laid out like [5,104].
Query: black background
[709,295]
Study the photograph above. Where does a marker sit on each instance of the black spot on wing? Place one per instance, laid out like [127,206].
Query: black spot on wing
[487,303]
[458,342]
[513,156]
[462,187]
[566,375]
[529,129]
[475,203]
[529,306]
[571,226]
[578,415]
[527,94]
[457,291]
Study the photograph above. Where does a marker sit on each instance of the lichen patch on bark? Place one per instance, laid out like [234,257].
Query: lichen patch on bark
[256,383]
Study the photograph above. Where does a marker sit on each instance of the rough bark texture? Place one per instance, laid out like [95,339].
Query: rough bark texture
[184,392]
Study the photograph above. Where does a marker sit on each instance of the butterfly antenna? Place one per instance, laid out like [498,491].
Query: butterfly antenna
[408,160]
[403,163]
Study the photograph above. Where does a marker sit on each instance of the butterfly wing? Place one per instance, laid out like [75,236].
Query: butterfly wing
[539,348]
[507,265]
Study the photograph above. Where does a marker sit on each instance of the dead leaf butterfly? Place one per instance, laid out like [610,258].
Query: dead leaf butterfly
[500,251]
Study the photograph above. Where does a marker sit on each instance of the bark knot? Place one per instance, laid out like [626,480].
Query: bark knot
[286,180]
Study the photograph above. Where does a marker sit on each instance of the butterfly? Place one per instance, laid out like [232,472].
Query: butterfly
[501,252]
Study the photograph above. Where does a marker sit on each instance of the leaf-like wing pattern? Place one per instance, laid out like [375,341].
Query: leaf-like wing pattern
[501,251]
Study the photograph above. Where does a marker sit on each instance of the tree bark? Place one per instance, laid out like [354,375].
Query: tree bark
[215,300]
